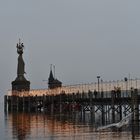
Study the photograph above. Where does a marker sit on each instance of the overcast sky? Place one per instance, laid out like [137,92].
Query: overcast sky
[83,38]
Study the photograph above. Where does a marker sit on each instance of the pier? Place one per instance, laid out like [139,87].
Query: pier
[111,102]
[106,102]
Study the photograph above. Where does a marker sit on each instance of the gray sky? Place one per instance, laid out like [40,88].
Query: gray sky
[83,38]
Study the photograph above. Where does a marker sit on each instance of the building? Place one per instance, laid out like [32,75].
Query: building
[53,82]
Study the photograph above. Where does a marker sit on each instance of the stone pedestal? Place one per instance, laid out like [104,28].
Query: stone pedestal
[20,84]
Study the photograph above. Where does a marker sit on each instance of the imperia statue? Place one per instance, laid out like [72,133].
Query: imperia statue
[20,83]
[21,64]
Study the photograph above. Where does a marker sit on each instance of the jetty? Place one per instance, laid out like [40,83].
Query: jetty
[111,100]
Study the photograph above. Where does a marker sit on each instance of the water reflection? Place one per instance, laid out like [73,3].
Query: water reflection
[68,126]
[20,124]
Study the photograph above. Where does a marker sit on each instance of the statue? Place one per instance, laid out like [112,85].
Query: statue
[21,64]
[20,83]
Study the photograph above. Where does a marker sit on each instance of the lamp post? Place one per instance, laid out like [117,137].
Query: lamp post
[98,77]
[125,79]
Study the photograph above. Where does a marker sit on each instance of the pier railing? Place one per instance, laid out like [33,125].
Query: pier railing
[103,87]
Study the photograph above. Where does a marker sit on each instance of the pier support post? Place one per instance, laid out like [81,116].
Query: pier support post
[92,113]
[120,112]
[9,102]
[92,107]
[118,93]
[103,110]
[84,114]
[43,102]
[135,112]
[5,103]
[132,108]
[60,103]
[29,104]
[113,106]
[52,104]
[23,105]
[12,103]
[36,103]
[17,103]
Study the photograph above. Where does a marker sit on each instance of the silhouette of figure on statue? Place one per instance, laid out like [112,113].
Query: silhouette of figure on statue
[21,64]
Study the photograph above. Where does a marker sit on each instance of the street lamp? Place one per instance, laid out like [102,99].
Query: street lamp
[125,79]
[98,77]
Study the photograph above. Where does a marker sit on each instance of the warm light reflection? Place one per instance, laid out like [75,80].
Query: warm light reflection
[56,127]
[20,124]
[24,124]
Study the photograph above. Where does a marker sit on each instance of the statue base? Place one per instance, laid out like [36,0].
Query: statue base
[20,84]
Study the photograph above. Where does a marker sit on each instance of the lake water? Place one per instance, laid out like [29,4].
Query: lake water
[40,126]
